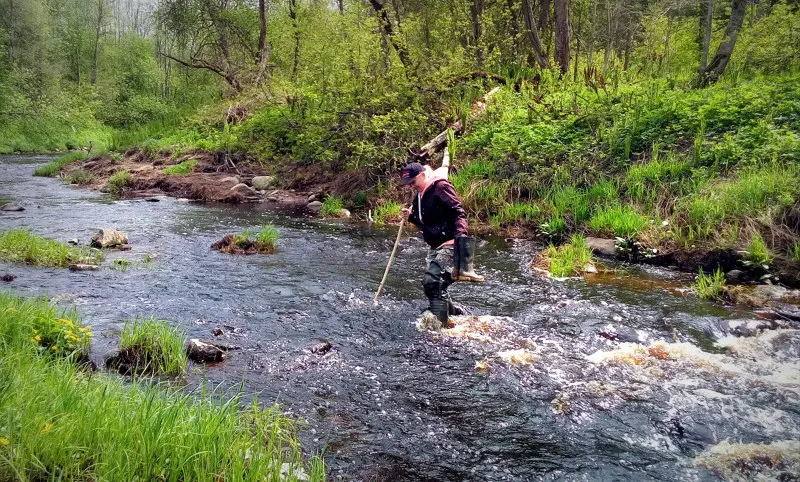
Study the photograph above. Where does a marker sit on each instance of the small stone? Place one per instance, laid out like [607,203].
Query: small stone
[230,179]
[314,206]
[7,278]
[12,206]
[321,348]
[343,214]
[74,241]
[84,267]
[202,352]
[152,200]
[312,197]
[734,275]
[217,332]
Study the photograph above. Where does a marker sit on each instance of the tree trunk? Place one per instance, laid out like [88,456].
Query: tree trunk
[533,35]
[475,10]
[706,20]
[388,30]
[562,34]
[591,36]
[609,37]
[341,6]
[515,30]
[263,45]
[544,14]
[717,65]
[97,40]
[293,16]
[577,46]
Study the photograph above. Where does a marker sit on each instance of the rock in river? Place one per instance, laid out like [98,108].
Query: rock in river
[202,352]
[107,238]
[13,206]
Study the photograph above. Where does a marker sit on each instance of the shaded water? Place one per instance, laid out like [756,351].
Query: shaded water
[619,378]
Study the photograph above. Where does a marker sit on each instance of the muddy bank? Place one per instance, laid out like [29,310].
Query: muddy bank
[208,178]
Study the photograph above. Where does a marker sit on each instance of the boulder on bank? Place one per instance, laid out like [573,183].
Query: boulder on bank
[12,207]
[83,267]
[341,214]
[108,238]
[202,352]
[244,190]
[314,206]
[262,183]
[602,247]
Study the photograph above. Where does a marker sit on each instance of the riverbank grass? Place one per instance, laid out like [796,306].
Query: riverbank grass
[710,286]
[572,259]
[60,422]
[154,347]
[119,181]
[184,167]
[331,206]
[22,246]
[388,212]
[53,167]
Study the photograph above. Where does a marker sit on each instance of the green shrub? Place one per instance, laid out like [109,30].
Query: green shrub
[387,212]
[757,254]
[21,246]
[569,259]
[621,221]
[80,177]
[184,167]
[331,206]
[155,346]
[53,167]
[119,181]
[569,200]
[710,287]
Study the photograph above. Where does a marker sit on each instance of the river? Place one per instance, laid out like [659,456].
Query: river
[624,377]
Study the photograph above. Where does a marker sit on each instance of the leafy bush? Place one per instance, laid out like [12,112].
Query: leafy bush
[119,181]
[156,346]
[710,287]
[21,246]
[53,167]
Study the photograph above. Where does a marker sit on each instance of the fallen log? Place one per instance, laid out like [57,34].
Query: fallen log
[436,144]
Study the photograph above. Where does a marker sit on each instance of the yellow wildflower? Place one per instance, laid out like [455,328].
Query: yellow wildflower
[48,427]
[4,441]
[54,348]
[36,339]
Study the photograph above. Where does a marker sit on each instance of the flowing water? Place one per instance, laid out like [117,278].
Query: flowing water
[621,377]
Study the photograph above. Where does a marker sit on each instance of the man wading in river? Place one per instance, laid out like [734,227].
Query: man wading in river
[437,211]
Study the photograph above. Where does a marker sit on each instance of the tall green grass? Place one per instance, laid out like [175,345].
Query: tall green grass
[569,259]
[58,422]
[757,253]
[331,206]
[22,246]
[52,168]
[156,346]
[119,181]
[710,287]
[184,167]
[621,221]
[387,212]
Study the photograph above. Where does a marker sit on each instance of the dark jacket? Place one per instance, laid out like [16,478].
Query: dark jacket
[442,217]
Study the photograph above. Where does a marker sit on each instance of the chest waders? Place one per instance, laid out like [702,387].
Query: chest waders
[463,259]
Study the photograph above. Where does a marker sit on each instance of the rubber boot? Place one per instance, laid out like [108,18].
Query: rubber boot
[453,309]
[463,256]
[432,283]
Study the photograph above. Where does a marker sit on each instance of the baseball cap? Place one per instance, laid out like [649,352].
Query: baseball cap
[410,172]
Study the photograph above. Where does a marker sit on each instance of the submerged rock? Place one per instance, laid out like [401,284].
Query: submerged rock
[7,278]
[202,352]
[12,206]
[763,295]
[84,267]
[107,238]
[321,348]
